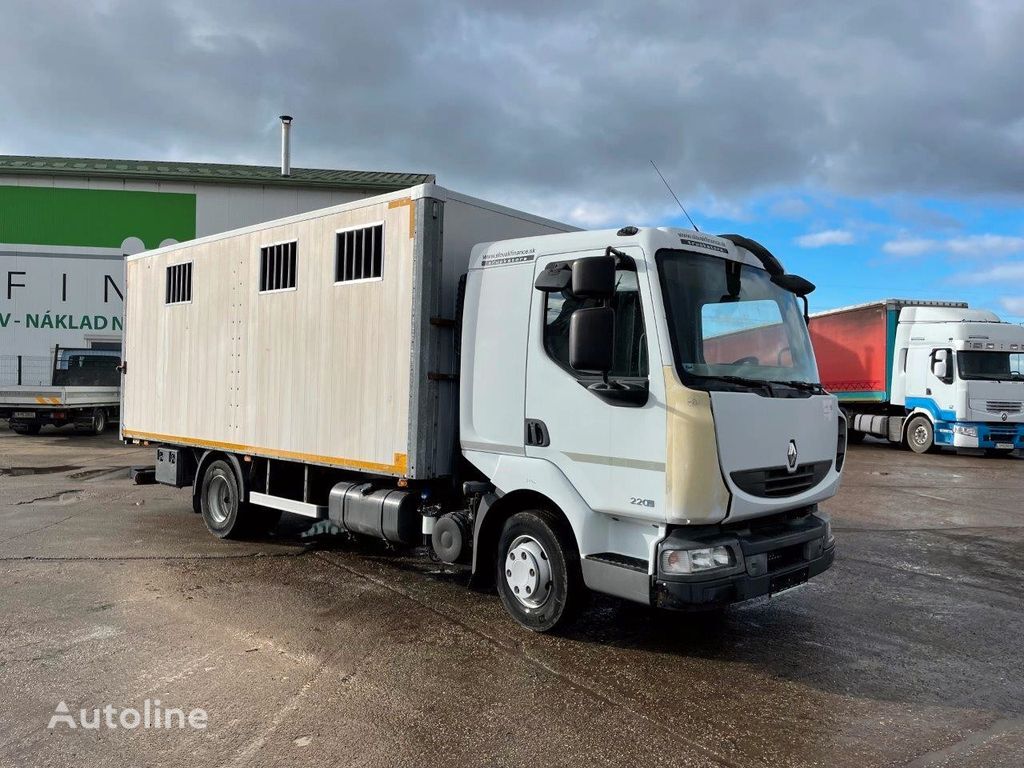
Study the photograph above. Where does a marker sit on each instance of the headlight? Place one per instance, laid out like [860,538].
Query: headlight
[681,561]
[960,429]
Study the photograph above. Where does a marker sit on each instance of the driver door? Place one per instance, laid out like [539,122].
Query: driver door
[612,453]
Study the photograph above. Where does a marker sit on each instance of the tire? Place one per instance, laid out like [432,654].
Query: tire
[99,421]
[854,437]
[220,501]
[26,429]
[920,434]
[538,543]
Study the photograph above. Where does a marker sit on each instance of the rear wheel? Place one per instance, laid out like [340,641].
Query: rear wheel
[538,574]
[95,424]
[920,434]
[26,429]
[220,501]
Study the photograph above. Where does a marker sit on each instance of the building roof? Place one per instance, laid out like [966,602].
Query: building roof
[217,173]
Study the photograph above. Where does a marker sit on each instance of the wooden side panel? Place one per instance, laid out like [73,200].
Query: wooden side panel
[319,373]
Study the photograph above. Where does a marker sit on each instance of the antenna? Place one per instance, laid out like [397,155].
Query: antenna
[676,199]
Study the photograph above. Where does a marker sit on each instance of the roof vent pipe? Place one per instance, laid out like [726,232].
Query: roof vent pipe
[286,149]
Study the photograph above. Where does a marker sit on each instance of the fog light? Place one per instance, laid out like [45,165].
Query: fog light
[676,561]
[966,431]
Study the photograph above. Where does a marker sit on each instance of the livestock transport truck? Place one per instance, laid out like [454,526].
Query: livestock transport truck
[530,402]
[925,374]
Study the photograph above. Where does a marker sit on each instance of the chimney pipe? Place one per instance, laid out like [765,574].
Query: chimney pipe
[286,149]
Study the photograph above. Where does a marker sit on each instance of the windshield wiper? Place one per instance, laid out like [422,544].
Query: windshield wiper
[807,386]
[758,383]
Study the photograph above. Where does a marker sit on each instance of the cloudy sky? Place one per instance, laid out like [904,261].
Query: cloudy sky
[877,147]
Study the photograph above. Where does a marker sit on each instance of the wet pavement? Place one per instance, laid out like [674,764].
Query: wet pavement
[908,652]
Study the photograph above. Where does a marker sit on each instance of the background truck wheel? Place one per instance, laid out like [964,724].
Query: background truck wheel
[538,571]
[920,435]
[220,500]
[854,437]
[95,424]
[26,429]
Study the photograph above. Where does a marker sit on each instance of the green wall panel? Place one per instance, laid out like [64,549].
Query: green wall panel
[98,218]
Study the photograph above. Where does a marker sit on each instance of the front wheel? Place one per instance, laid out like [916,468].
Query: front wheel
[538,571]
[920,434]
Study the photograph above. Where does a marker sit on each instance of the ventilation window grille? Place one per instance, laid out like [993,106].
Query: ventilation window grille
[179,284]
[277,267]
[359,254]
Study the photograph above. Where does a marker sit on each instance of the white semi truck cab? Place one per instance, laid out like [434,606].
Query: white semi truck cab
[636,411]
[960,375]
[657,390]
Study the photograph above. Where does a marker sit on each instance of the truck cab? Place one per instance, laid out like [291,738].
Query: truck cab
[959,373]
[653,395]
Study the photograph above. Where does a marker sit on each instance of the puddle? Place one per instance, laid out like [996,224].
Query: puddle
[21,471]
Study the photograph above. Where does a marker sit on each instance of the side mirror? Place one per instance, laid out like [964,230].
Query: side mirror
[594,277]
[941,364]
[592,339]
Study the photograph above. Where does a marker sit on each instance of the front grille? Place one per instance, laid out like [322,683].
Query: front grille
[779,482]
[785,557]
[1002,435]
[1000,406]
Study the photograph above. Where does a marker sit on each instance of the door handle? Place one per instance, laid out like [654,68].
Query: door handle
[537,433]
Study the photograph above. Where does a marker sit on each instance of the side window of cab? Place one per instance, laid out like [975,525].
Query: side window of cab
[630,351]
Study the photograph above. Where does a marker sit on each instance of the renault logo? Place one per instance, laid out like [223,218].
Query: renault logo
[791,455]
[1002,416]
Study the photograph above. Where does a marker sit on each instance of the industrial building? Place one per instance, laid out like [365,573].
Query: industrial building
[66,225]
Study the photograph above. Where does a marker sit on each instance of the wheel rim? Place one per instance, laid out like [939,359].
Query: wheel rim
[921,435]
[219,500]
[528,572]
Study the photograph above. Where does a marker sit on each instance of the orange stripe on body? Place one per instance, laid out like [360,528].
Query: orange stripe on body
[399,465]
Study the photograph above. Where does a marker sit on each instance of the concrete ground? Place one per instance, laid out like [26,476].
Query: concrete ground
[909,652]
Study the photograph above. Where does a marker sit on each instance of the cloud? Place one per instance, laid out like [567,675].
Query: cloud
[985,245]
[982,246]
[538,101]
[1013,304]
[1013,271]
[910,246]
[790,208]
[825,238]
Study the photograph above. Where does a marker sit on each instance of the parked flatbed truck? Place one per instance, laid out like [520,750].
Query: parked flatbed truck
[84,392]
[527,401]
[925,374]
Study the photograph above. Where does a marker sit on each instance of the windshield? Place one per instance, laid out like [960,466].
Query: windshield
[993,366]
[729,319]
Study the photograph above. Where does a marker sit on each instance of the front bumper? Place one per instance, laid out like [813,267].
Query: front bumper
[984,435]
[769,559]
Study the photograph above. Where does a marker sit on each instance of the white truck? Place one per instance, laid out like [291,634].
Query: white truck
[927,374]
[635,412]
[82,389]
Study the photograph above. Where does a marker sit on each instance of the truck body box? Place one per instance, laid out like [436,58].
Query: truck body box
[350,373]
[854,347]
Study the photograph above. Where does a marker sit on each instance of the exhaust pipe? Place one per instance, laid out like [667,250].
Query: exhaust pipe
[286,149]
